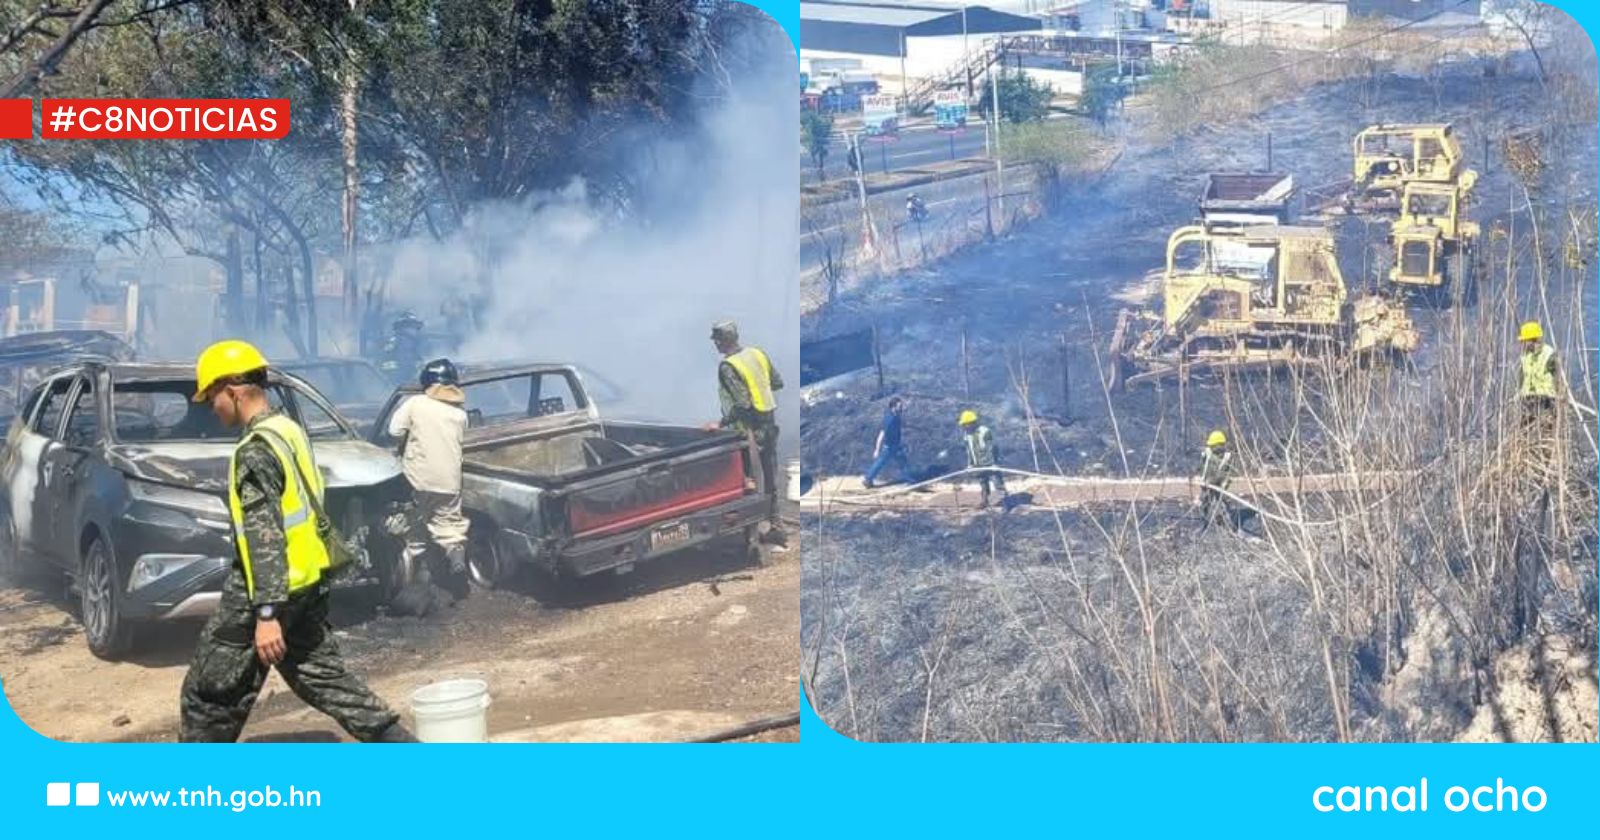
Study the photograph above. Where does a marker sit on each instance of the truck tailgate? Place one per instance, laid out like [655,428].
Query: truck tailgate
[651,492]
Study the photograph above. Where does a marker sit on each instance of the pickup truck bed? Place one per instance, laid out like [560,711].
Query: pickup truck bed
[574,495]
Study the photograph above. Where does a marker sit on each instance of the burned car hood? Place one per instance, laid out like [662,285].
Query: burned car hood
[204,466]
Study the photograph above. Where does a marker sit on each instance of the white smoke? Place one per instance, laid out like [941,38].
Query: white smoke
[633,298]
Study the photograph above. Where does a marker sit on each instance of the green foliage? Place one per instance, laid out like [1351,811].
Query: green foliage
[1057,144]
[1022,98]
[1102,93]
[816,131]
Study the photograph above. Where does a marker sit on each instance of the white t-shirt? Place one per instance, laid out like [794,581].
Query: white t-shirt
[434,430]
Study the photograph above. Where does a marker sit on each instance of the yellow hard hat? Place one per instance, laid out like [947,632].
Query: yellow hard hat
[222,360]
[1530,331]
[1216,438]
[967,417]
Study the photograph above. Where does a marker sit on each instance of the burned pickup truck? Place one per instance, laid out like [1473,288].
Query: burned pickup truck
[113,476]
[546,482]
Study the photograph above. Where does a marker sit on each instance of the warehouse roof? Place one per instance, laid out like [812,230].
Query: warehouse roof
[877,14]
[878,27]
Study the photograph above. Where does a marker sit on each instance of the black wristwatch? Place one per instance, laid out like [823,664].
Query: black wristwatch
[267,612]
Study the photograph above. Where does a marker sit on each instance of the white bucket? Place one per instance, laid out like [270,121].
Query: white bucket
[793,467]
[452,712]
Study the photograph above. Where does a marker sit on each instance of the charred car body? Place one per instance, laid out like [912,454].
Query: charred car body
[355,386]
[111,474]
[546,482]
[25,359]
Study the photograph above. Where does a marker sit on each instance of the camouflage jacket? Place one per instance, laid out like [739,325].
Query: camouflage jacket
[260,486]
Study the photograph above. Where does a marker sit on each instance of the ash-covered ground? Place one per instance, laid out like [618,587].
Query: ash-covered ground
[1128,624]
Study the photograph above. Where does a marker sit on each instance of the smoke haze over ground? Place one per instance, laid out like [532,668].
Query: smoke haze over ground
[632,296]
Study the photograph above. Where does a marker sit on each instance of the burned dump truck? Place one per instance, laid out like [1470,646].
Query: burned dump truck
[1233,200]
[112,475]
[1251,299]
[547,483]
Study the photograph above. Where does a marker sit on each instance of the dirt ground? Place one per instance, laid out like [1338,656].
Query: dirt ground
[677,649]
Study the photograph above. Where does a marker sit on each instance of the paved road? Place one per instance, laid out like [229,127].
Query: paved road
[916,146]
[838,225]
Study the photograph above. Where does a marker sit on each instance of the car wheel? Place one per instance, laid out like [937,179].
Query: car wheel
[108,633]
[11,567]
[752,545]
[487,565]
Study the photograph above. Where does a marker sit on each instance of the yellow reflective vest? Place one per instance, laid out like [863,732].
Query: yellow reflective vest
[755,369]
[1537,378]
[306,556]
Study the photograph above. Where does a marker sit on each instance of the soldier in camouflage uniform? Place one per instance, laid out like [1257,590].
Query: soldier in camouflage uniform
[262,620]
[746,380]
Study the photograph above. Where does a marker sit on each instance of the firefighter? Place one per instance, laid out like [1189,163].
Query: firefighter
[1537,391]
[746,381]
[274,606]
[431,428]
[403,350]
[982,451]
[1216,470]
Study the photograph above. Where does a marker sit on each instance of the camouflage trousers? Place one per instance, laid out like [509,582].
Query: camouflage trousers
[765,437]
[225,675]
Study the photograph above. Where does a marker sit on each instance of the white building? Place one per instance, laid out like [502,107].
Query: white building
[895,40]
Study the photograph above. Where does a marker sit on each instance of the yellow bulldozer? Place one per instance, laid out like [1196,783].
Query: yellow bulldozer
[1389,156]
[1434,242]
[1250,299]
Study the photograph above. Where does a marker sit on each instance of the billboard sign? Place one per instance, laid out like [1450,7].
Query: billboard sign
[949,110]
[880,116]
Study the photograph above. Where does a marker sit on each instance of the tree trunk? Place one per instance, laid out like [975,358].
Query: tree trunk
[46,63]
[261,284]
[350,86]
[233,297]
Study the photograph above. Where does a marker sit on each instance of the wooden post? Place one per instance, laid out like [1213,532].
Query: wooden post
[1269,151]
[988,215]
[966,369]
[1066,382]
[877,358]
[1183,403]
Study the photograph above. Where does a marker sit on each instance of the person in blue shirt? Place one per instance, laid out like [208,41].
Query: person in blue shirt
[890,447]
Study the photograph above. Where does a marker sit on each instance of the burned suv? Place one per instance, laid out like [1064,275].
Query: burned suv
[111,474]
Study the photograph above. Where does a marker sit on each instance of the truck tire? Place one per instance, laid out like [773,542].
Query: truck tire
[487,565]
[752,546]
[107,632]
[11,566]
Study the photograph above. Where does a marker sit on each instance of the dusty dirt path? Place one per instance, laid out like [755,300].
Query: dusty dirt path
[675,650]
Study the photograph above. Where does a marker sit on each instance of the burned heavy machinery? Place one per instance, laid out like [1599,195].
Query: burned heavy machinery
[1434,244]
[1252,299]
[1387,157]
[1246,199]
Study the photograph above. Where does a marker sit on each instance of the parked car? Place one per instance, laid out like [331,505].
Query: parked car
[546,482]
[111,474]
[355,386]
[25,359]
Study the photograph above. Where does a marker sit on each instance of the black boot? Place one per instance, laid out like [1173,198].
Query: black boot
[397,733]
